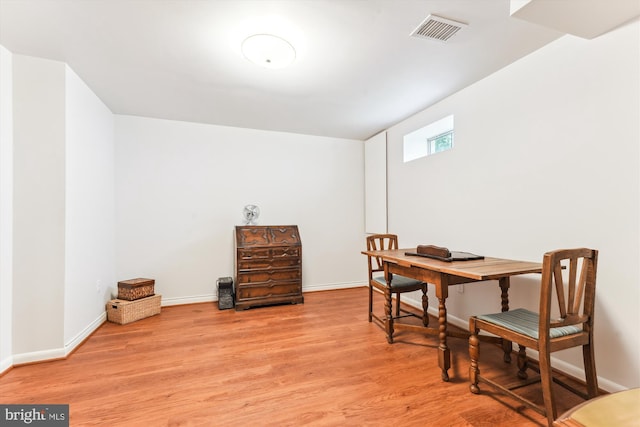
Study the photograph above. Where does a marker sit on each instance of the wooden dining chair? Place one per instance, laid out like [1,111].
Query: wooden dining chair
[399,285]
[572,274]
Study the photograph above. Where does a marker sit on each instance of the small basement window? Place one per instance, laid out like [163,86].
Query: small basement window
[431,139]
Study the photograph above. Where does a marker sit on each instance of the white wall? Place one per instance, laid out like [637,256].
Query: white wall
[375,183]
[181,187]
[63,211]
[6,209]
[90,210]
[546,156]
[39,206]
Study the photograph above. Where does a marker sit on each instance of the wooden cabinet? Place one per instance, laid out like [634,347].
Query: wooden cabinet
[268,265]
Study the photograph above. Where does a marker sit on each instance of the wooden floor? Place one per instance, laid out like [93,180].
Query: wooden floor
[318,363]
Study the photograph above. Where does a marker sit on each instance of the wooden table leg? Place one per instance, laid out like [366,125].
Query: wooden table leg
[444,354]
[388,310]
[388,324]
[507,346]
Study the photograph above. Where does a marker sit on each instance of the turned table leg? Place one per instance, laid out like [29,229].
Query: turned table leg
[474,353]
[388,309]
[507,347]
[444,354]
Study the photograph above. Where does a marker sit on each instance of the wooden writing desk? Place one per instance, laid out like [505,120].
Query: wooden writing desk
[442,274]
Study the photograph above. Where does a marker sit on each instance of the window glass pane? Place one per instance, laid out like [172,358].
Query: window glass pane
[441,142]
[431,139]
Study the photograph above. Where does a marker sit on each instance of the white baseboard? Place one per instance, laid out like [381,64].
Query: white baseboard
[188,300]
[39,356]
[166,302]
[333,286]
[5,364]
[59,353]
[84,334]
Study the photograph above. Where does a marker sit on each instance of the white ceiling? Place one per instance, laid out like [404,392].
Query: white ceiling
[357,70]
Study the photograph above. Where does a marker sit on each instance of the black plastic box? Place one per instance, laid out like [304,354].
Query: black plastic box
[226,297]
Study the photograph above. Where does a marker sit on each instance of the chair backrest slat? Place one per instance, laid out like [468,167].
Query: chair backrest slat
[573,267]
[380,242]
[577,293]
[557,277]
[580,291]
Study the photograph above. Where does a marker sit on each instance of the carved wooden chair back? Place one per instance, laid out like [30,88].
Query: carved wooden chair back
[572,274]
[564,320]
[379,242]
[399,285]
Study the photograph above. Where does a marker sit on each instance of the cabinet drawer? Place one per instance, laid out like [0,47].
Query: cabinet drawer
[266,264]
[286,252]
[267,253]
[261,276]
[249,254]
[269,290]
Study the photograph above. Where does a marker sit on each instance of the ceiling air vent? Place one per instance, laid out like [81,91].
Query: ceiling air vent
[437,28]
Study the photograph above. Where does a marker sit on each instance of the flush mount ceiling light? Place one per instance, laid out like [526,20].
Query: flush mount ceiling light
[268,51]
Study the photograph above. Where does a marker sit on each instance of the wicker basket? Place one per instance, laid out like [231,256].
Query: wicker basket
[123,311]
[134,289]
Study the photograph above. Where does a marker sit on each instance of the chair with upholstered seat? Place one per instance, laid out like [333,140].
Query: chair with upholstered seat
[399,285]
[564,320]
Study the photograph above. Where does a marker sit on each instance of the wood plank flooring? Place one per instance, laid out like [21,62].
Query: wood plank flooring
[320,363]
